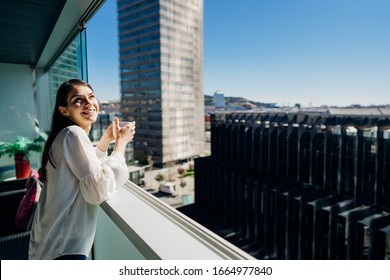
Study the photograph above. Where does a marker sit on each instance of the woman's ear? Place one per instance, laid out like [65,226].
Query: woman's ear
[63,111]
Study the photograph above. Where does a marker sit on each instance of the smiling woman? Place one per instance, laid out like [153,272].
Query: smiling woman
[76,175]
[82,107]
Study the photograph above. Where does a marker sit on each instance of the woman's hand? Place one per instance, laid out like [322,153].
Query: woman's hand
[106,138]
[108,133]
[126,132]
[123,135]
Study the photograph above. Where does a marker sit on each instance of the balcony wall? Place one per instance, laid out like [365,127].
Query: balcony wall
[135,225]
[16,101]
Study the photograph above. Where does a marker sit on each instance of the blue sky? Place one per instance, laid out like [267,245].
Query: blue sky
[313,52]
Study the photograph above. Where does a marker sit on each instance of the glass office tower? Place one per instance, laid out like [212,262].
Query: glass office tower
[161,69]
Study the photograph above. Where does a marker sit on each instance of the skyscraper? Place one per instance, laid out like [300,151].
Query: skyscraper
[161,69]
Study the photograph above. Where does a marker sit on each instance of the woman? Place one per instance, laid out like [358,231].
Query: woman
[76,176]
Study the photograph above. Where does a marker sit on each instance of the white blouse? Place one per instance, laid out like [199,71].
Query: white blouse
[82,177]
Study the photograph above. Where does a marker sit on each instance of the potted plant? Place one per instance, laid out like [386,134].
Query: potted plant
[21,149]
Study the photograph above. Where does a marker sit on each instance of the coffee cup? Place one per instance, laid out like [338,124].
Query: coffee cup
[121,124]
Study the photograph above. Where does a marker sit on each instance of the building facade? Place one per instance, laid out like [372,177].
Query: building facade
[161,73]
[219,99]
[291,186]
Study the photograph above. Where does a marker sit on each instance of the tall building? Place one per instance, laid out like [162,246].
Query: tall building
[161,69]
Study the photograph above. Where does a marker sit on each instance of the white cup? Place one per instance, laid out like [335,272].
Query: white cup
[121,124]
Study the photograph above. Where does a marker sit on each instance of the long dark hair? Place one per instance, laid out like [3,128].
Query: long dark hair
[59,121]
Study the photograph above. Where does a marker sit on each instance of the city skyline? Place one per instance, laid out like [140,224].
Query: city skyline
[334,53]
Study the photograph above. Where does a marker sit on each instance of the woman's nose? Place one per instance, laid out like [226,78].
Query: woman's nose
[88,102]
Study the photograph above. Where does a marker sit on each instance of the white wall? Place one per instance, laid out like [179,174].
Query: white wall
[17,110]
[16,102]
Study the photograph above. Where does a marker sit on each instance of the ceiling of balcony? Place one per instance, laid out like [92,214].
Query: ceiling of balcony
[25,28]
[34,32]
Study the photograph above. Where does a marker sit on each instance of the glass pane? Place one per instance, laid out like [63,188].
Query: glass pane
[70,64]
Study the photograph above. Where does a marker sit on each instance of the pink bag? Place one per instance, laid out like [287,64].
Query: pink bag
[25,212]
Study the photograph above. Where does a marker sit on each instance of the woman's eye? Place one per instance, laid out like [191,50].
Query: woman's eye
[78,100]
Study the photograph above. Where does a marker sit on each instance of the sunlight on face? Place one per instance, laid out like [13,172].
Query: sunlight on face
[82,108]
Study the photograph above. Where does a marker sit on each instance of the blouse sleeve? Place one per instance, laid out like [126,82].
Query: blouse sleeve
[99,175]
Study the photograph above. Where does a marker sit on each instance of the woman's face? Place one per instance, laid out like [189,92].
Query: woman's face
[82,108]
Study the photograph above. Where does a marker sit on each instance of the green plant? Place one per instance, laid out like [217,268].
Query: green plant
[159,177]
[141,158]
[22,146]
[183,183]
[189,173]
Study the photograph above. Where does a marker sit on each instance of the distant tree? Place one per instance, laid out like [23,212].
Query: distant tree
[141,158]
[183,183]
[181,170]
[159,177]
